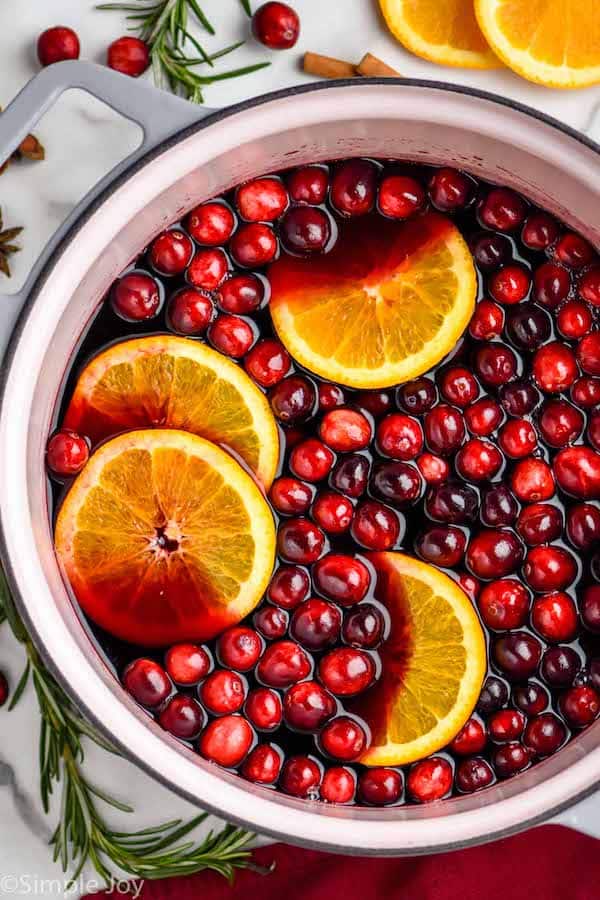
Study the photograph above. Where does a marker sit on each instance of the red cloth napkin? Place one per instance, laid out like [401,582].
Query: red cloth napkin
[549,863]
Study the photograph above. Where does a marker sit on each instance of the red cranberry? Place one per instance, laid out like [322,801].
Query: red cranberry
[347,671]
[283,663]
[496,364]
[551,285]
[400,196]
[452,502]
[443,546]
[129,55]
[554,616]
[290,496]
[434,469]
[332,512]
[261,200]
[276,25]
[583,525]
[300,777]
[222,692]
[375,526]
[264,709]
[544,734]
[147,682]
[458,386]
[487,321]
[343,579]
[364,627]
[510,759]
[578,472]
[400,436]
[510,284]
[183,717]
[589,286]
[380,787]
[517,655]
[330,396]
[518,438]
[473,775]
[478,460]
[397,483]
[444,429]
[226,741]
[574,251]
[560,666]
[504,604]
[532,480]
[470,739]
[554,367]
[483,417]
[299,541]
[350,475]
[549,568]
[211,223]
[353,187]
[539,231]
[307,706]
[588,353]
[289,586]
[593,429]
[531,698]
[490,251]
[308,185]
[498,507]
[560,423]
[253,245]
[493,696]
[338,785]
[293,399]
[540,523]
[345,430]
[305,229]
[67,453]
[239,648]
[528,326]
[430,779]
[4,689]
[493,554]
[417,396]
[316,624]
[241,294]
[187,664]
[343,738]
[271,622]
[136,296]
[56,44]
[450,189]
[586,391]
[311,460]
[190,311]
[502,210]
[574,319]
[171,252]
[590,608]
[231,335]
[262,765]
[519,398]
[208,269]
[506,725]
[580,705]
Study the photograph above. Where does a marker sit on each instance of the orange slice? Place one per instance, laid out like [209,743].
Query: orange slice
[387,303]
[442,31]
[172,382]
[433,663]
[164,537]
[552,42]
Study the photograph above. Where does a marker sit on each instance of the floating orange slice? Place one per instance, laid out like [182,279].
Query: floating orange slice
[442,31]
[387,303]
[433,663]
[171,382]
[164,537]
[552,42]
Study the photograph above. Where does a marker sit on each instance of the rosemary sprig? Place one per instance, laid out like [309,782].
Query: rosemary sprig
[164,26]
[82,834]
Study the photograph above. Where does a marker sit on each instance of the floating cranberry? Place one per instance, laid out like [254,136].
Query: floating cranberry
[452,502]
[187,664]
[517,438]
[271,622]
[493,696]
[430,779]
[478,460]
[470,739]
[253,245]
[504,604]
[299,541]
[574,319]
[282,664]
[338,785]
[307,706]
[544,734]
[135,297]
[400,436]
[490,251]
[56,44]
[551,285]
[343,738]
[147,682]
[377,403]
[380,787]
[483,417]
[364,627]
[290,496]
[182,717]
[226,741]
[293,399]
[517,655]
[510,284]
[554,617]
[586,391]
[289,586]
[264,709]
[519,398]
[487,321]
[493,554]
[397,483]
[417,396]
[231,335]
[311,460]
[443,546]
[239,648]
[211,224]
[276,25]
[171,252]
[129,55]
[190,311]
[531,698]
[560,666]
[554,367]
[345,430]
[308,185]
[589,286]
[66,453]
[263,765]
[444,429]
[578,472]
[305,230]
[560,423]
[222,692]
[502,210]
[539,231]
[528,326]
[458,386]
[593,429]
[241,294]
[496,364]
[300,777]
[498,507]
[347,671]
[574,251]
[343,579]
[532,480]
[4,689]
[590,608]
[509,759]
[588,353]
[450,189]
[261,200]
[353,187]
[506,725]
[208,269]
[351,474]
[549,568]
[400,196]
[330,396]
[316,624]
[332,512]
[580,705]
[375,526]
[434,469]
[540,523]
[583,525]
[473,775]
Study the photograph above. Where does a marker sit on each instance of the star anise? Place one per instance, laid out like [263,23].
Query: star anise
[29,148]
[6,247]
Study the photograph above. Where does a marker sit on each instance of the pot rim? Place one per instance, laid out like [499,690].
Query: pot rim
[88,210]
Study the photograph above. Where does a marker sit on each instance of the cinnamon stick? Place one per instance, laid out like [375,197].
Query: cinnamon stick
[327,66]
[372,66]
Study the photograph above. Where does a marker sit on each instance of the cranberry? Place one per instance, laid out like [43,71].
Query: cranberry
[299,541]
[380,787]
[147,682]
[239,648]
[578,472]
[551,285]
[487,321]
[67,453]
[375,526]
[517,655]
[290,496]
[293,399]
[531,698]
[345,430]
[478,460]
[506,725]
[496,364]
[187,664]
[450,189]
[554,367]
[283,663]
[4,689]
[271,622]
[493,696]
[589,286]
[397,483]
[444,429]
[430,779]
[588,353]
[56,44]
[554,616]
[510,284]
[452,502]
[300,777]
[129,55]
[532,480]
[182,717]
[560,666]
[347,671]
[493,554]
[276,25]
[343,738]
[574,251]
[190,311]
[171,252]
[586,391]
[307,706]
[509,759]
[338,785]
[264,709]
[136,296]
[540,523]
[528,326]
[305,229]
[211,223]
[222,692]
[519,398]
[549,568]
[364,627]
[351,474]
[330,396]
[263,764]
[473,775]
[400,436]
[344,579]
[517,438]
[434,469]
[544,734]
[498,507]
[574,319]
[443,546]
[311,460]
[590,608]
[560,423]
[316,624]
[231,335]
[308,185]
[353,187]
[583,525]
[241,294]
[593,429]
[377,403]
[400,196]
[208,269]
[502,210]
[470,739]
[490,251]
[332,512]
[261,200]
[289,586]
[539,231]
[580,705]
[226,741]
[417,396]
[253,245]
[504,604]
[483,417]
[458,386]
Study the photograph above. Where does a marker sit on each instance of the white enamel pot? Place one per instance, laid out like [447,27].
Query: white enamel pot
[188,156]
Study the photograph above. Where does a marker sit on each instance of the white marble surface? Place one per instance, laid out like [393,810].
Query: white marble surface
[83,140]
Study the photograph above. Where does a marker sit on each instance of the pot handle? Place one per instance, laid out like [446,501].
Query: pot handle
[159,114]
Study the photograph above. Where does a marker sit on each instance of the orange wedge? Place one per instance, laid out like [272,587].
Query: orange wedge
[552,42]
[387,303]
[164,537]
[433,663]
[442,31]
[171,382]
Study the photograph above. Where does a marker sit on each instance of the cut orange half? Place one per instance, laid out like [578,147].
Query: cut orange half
[442,31]
[164,537]
[552,42]
[433,663]
[387,303]
[171,382]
